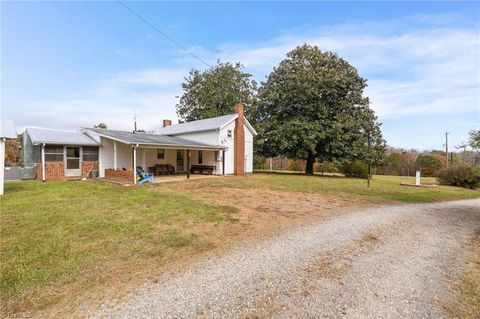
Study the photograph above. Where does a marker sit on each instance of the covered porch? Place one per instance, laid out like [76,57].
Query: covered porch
[166,163]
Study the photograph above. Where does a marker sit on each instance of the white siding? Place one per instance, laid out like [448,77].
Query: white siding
[124,156]
[151,157]
[208,137]
[105,156]
[228,142]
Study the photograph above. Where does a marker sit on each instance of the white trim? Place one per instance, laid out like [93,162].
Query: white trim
[134,168]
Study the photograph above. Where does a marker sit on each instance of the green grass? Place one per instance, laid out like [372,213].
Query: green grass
[62,237]
[383,188]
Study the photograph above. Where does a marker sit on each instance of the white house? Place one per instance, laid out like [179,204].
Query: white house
[221,145]
[7,130]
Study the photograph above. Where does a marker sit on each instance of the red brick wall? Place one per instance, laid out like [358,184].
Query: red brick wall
[87,166]
[239,142]
[119,175]
[55,171]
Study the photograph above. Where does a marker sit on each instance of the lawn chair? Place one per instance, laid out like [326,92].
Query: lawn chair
[143,177]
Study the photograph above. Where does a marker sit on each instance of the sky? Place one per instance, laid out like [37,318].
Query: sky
[68,65]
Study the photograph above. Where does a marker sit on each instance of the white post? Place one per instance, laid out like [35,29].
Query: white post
[417,178]
[114,155]
[2,163]
[134,165]
[43,162]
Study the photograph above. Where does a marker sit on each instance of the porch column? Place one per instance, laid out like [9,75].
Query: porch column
[188,163]
[114,155]
[144,159]
[223,162]
[43,162]
[134,165]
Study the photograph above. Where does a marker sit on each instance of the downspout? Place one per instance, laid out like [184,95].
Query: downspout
[43,162]
[115,155]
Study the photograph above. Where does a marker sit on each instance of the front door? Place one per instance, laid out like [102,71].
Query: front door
[72,165]
[180,167]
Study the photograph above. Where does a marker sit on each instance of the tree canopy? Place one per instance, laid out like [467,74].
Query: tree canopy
[428,164]
[312,106]
[101,125]
[215,91]
[474,139]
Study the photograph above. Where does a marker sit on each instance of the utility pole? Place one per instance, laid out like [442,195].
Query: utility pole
[446,146]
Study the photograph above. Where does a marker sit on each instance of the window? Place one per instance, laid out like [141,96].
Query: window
[229,133]
[160,153]
[200,157]
[90,153]
[53,153]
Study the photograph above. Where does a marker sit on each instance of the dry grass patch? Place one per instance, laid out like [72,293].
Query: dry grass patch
[466,289]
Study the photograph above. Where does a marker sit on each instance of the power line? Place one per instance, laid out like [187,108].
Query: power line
[162,33]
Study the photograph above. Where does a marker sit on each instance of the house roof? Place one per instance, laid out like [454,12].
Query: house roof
[48,136]
[152,139]
[7,129]
[211,124]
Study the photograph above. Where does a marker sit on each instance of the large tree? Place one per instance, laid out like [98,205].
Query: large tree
[312,107]
[215,91]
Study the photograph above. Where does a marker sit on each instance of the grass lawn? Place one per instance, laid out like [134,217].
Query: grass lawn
[383,188]
[60,240]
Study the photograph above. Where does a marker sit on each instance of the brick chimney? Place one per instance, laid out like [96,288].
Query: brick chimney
[239,142]
[167,123]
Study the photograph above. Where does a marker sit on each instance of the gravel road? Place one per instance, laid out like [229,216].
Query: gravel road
[388,262]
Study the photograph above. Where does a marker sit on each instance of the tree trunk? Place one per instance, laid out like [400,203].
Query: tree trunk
[310,162]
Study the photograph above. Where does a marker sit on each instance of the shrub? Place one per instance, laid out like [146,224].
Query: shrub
[355,169]
[325,167]
[462,176]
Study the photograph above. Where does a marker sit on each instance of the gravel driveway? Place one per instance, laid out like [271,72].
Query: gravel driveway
[388,262]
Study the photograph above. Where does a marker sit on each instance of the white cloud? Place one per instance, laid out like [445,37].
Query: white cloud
[424,70]
[114,99]
[416,72]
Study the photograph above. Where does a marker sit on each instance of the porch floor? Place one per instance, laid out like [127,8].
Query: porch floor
[180,177]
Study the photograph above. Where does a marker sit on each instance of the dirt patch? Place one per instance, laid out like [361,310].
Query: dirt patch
[263,212]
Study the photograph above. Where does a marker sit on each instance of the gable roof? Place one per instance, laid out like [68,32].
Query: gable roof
[48,136]
[152,139]
[211,124]
[7,129]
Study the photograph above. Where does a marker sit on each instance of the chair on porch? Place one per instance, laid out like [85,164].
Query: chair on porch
[143,177]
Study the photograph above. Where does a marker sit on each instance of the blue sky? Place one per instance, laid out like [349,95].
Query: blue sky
[74,64]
